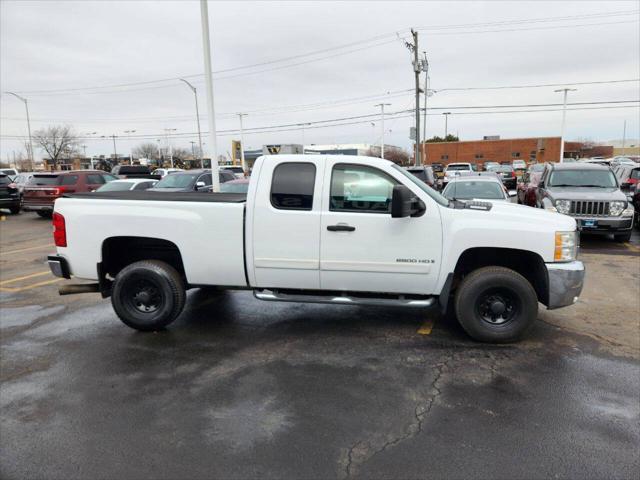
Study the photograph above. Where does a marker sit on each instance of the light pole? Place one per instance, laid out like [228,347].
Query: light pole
[446,124]
[26,107]
[129,132]
[169,147]
[85,153]
[382,105]
[206,50]
[115,153]
[195,95]
[564,116]
[624,135]
[159,153]
[244,164]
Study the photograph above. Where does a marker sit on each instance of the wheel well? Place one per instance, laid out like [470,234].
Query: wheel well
[528,264]
[118,252]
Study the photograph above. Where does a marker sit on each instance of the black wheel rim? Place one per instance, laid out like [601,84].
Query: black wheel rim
[143,296]
[498,306]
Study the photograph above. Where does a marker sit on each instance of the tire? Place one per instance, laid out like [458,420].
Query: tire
[625,237]
[148,295]
[15,210]
[44,214]
[497,288]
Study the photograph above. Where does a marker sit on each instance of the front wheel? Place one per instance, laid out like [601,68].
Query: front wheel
[496,304]
[625,237]
[148,295]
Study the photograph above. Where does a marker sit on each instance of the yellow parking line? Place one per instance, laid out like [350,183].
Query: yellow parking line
[633,248]
[426,327]
[13,280]
[28,287]
[26,249]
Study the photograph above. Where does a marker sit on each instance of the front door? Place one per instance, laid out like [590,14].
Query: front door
[285,224]
[362,247]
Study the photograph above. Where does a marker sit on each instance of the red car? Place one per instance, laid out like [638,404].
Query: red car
[42,189]
[526,189]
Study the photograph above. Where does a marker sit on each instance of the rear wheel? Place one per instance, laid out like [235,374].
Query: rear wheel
[496,304]
[15,210]
[148,295]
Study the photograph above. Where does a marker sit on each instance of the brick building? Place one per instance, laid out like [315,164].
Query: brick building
[542,149]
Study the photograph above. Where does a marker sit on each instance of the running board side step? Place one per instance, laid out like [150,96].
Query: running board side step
[343,299]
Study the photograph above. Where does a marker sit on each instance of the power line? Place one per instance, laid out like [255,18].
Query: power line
[436,28]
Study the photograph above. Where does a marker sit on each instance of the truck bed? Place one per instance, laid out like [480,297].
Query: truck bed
[163,196]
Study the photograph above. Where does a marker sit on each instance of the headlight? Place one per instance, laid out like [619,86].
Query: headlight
[628,212]
[616,208]
[566,246]
[563,206]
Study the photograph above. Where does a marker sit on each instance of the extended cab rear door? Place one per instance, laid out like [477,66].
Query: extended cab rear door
[361,247]
[285,223]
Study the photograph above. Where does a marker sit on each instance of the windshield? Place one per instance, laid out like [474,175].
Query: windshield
[232,187]
[454,167]
[43,180]
[501,169]
[176,180]
[468,189]
[583,178]
[423,186]
[115,187]
[635,174]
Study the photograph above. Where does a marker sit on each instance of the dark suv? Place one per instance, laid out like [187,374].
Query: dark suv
[591,194]
[190,181]
[9,194]
[42,189]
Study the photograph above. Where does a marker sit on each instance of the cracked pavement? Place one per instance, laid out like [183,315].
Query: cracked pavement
[239,389]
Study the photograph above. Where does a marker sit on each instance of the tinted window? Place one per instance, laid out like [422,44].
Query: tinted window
[358,188]
[635,174]
[206,178]
[43,180]
[454,167]
[178,180]
[226,176]
[421,174]
[94,179]
[466,190]
[292,186]
[68,180]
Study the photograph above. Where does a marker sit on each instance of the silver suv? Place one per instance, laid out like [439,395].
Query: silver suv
[591,194]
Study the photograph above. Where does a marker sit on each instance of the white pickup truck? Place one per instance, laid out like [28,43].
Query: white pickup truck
[344,230]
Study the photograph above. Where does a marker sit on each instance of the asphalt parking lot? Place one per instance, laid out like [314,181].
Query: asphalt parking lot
[238,388]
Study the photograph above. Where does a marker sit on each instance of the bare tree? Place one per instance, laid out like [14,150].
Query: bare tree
[146,150]
[393,154]
[57,141]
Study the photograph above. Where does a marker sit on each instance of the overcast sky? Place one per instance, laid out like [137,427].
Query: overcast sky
[314,61]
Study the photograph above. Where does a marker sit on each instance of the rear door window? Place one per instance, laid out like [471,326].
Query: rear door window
[68,180]
[292,186]
[95,179]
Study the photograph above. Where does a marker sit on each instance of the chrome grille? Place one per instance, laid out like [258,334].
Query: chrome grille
[589,209]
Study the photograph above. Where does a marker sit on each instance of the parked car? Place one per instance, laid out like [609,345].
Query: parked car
[190,181]
[626,160]
[42,190]
[634,195]
[239,185]
[21,180]
[453,170]
[438,169]
[527,187]
[627,175]
[9,194]
[424,173]
[133,171]
[590,193]
[489,165]
[338,229]
[507,174]
[12,173]
[163,172]
[237,171]
[520,166]
[600,161]
[127,184]
[476,187]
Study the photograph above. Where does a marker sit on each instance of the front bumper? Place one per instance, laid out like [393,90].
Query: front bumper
[604,225]
[565,283]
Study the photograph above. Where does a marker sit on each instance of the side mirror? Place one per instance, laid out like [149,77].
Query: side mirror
[405,204]
[199,185]
[512,193]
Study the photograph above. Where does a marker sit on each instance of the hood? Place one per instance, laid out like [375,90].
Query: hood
[519,214]
[586,193]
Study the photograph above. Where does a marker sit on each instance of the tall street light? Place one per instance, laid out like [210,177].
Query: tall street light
[90,134]
[115,153]
[169,147]
[26,106]
[206,50]
[129,132]
[564,116]
[446,124]
[382,105]
[195,95]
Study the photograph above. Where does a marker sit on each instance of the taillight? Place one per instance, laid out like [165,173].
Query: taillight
[59,230]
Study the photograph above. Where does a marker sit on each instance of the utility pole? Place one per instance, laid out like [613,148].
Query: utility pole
[624,135]
[169,146]
[446,124]
[129,132]
[564,116]
[193,154]
[26,106]
[195,94]
[244,164]
[160,159]
[382,105]
[115,153]
[416,70]
[84,146]
[206,50]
